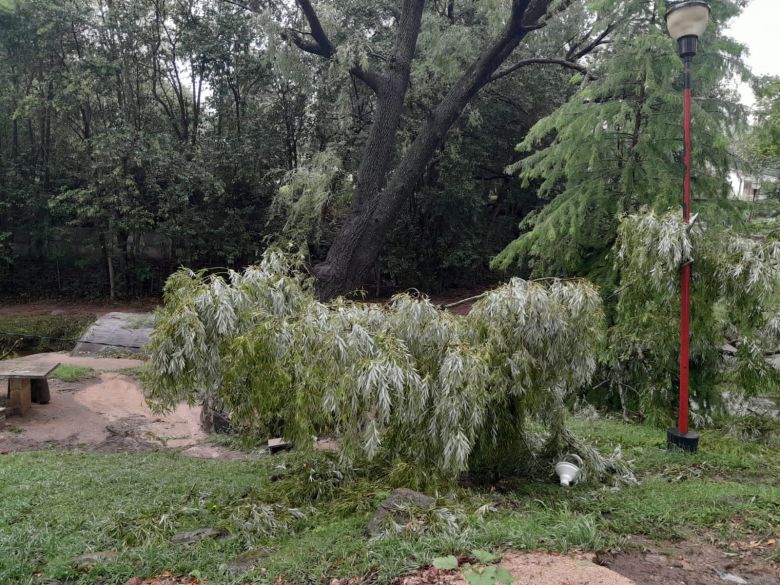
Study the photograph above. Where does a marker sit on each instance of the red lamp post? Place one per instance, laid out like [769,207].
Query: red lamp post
[686,21]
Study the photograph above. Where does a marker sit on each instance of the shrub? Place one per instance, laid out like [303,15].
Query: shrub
[733,278]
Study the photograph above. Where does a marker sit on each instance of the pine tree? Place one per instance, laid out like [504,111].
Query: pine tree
[616,146]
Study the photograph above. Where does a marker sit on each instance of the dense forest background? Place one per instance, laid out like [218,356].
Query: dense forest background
[140,135]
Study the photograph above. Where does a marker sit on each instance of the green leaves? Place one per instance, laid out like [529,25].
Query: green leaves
[614,146]
[488,576]
[445,563]
[484,556]
[403,383]
[733,279]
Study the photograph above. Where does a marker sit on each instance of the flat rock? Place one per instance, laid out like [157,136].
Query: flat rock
[245,561]
[89,559]
[196,535]
[393,505]
[276,445]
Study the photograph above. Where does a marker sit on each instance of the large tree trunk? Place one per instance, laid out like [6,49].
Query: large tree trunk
[376,204]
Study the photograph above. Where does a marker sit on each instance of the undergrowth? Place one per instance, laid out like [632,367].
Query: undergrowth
[306,519]
[40,333]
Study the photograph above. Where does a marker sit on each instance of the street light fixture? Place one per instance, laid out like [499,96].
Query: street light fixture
[686,21]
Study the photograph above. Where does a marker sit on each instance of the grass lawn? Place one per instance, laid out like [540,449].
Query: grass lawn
[71,373]
[309,525]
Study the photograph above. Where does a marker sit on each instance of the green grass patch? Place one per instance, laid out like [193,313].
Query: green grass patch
[71,373]
[136,372]
[40,333]
[309,523]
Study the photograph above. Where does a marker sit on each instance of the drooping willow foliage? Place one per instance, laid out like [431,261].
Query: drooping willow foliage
[733,277]
[406,383]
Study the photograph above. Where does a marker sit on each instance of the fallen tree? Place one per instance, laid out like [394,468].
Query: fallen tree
[407,383]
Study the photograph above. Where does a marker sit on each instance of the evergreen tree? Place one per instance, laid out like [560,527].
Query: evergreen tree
[617,145]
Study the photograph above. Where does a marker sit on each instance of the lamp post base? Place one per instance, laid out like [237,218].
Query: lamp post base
[686,441]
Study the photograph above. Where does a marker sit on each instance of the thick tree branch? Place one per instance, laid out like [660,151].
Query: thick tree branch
[324,47]
[321,45]
[540,61]
[359,240]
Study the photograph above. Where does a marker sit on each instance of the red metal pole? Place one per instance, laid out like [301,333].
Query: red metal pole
[685,271]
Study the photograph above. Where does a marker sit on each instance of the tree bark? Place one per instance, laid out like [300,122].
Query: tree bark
[378,196]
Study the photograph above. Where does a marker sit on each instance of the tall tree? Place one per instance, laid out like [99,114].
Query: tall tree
[617,145]
[385,176]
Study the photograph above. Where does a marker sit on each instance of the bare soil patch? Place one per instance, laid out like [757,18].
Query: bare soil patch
[533,568]
[694,563]
[107,413]
[55,307]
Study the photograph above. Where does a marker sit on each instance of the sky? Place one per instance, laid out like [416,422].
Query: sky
[757,27]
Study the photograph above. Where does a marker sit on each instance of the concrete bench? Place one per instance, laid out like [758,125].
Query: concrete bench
[26,384]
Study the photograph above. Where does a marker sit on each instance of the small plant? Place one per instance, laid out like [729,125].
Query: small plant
[483,572]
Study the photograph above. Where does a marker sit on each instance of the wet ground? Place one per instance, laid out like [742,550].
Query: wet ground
[107,413]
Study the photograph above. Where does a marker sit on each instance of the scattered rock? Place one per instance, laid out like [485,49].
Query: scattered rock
[732,578]
[89,559]
[245,561]
[392,505]
[739,406]
[326,444]
[212,452]
[276,445]
[196,535]
[127,426]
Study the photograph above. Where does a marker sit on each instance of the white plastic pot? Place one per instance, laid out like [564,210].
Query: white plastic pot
[568,472]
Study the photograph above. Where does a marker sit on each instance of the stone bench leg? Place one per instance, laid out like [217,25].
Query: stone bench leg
[20,395]
[40,391]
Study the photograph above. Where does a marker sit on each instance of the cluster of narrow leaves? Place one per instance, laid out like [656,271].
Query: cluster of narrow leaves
[482,572]
[406,382]
[733,278]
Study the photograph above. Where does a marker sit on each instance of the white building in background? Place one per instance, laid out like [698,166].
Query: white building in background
[756,187]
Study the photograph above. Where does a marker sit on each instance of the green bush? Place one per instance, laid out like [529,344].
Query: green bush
[733,281]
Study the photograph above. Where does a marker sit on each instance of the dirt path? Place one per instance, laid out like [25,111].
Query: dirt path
[107,413]
[97,308]
[533,568]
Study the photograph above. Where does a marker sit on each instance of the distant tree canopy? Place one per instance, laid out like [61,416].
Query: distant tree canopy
[137,136]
